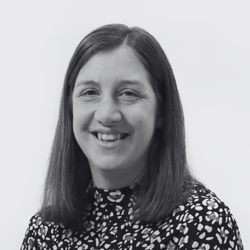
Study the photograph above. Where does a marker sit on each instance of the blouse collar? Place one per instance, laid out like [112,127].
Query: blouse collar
[116,196]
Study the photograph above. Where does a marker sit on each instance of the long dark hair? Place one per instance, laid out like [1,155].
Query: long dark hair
[167,181]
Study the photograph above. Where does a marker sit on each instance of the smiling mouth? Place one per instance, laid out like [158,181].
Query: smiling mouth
[109,137]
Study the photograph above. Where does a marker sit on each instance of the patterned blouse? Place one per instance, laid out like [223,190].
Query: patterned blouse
[202,222]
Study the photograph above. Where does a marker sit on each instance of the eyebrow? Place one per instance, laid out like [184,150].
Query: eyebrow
[86,83]
[131,82]
[127,82]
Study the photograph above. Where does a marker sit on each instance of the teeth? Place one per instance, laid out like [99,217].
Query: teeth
[109,137]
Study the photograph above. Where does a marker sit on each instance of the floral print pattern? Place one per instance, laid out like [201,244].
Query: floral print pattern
[202,222]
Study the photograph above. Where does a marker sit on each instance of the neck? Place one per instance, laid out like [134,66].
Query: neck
[110,180]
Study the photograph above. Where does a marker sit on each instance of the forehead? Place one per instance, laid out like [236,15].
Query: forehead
[120,63]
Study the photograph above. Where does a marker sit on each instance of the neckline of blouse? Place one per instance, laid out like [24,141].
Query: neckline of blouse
[114,196]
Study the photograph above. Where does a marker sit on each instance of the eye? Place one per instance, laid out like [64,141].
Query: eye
[129,93]
[90,92]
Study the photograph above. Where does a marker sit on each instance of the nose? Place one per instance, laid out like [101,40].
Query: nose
[108,112]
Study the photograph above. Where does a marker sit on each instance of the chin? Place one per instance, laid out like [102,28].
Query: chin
[107,165]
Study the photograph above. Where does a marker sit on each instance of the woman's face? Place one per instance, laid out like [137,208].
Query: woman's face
[114,113]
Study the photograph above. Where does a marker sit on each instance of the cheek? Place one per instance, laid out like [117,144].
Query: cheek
[144,117]
[76,130]
[145,127]
[81,120]
[80,130]
[76,122]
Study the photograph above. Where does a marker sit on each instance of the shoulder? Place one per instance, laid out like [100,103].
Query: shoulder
[205,202]
[41,235]
[205,221]
[38,233]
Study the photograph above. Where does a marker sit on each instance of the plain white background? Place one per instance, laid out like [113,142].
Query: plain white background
[207,43]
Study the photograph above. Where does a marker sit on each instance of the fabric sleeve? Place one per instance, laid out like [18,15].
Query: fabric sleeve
[216,229]
[35,236]
[203,222]
[219,232]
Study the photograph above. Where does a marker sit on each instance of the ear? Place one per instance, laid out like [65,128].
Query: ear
[159,122]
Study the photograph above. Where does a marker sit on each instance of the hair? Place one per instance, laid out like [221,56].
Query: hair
[167,181]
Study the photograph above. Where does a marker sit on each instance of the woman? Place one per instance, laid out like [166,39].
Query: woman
[118,176]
